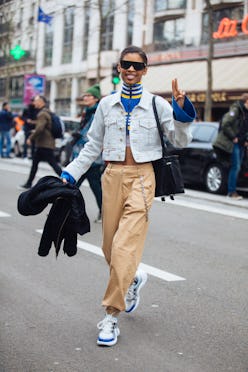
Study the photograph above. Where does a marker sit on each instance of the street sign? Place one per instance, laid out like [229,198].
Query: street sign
[33,85]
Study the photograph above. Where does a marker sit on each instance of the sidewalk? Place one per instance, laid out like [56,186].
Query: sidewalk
[189,193]
[217,198]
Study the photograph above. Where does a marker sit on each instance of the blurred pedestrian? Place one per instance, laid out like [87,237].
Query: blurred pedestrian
[6,124]
[91,100]
[43,139]
[29,116]
[18,123]
[232,140]
[125,131]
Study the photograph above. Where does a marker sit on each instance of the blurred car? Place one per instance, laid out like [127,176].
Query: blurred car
[61,150]
[200,164]
[71,124]
[17,142]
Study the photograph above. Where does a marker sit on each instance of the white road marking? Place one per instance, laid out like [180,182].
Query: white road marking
[18,167]
[90,248]
[161,274]
[209,208]
[3,214]
[158,273]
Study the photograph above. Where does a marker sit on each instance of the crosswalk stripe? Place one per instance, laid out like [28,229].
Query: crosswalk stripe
[158,273]
[3,214]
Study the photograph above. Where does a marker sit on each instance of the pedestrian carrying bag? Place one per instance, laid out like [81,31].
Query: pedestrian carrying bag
[169,180]
[57,126]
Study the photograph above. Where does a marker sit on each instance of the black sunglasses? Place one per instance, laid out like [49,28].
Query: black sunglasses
[138,66]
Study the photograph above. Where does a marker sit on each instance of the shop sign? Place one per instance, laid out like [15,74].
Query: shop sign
[33,85]
[229,28]
[217,97]
[201,97]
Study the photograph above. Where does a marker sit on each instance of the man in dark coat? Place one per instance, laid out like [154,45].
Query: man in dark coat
[6,123]
[44,141]
[29,114]
[233,139]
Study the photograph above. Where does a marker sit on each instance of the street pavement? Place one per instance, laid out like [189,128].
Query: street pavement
[15,164]
[193,311]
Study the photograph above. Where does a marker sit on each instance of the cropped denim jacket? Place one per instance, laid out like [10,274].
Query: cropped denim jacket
[108,131]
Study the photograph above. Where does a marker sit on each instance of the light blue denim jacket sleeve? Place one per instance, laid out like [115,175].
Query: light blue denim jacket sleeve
[108,132]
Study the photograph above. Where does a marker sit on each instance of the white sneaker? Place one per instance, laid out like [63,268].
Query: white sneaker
[109,331]
[132,297]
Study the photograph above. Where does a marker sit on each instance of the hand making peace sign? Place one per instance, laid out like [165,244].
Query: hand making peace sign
[177,93]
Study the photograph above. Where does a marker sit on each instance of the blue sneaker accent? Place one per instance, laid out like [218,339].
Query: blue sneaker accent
[132,297]
[105,339]
[109,331]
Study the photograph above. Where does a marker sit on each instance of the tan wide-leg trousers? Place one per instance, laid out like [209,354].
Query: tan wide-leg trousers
[128,192]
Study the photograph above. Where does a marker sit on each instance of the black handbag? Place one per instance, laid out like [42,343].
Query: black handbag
[169,180]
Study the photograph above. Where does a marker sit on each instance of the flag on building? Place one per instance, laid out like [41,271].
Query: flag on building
[43,17]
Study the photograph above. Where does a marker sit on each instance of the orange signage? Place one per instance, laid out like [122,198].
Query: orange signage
[228,28]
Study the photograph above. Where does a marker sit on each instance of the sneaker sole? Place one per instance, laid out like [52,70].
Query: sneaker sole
[109,343]
[138,296]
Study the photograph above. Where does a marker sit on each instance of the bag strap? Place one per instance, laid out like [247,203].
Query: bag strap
[158,125]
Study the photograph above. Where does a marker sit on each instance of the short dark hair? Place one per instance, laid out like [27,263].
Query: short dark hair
[134,49]
[4,104]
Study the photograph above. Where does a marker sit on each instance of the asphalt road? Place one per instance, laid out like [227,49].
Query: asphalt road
[193,311]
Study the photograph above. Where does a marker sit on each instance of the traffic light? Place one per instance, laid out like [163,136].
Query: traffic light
[115,74]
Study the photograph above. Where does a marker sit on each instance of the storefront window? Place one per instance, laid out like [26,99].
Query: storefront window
[63,100]
[82,85]
[48,88]
[2,87]
[63,106]
[169,4]
[218,15]
[64,88]
[169,34]
[16,86]
[48,50]
[107,25]
[68,35]
[86,30]
[130,17]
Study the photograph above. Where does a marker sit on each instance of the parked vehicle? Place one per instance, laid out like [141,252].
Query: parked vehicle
[17,142]
[200,164]
[71,124]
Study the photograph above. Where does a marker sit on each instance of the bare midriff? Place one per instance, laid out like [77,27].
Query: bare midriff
[129,160]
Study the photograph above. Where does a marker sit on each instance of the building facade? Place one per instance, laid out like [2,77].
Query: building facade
[82,41]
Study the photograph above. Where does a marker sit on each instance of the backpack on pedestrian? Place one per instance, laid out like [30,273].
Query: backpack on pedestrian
[58,126]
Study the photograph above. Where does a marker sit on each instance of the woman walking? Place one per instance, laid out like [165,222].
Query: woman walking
[125,131]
